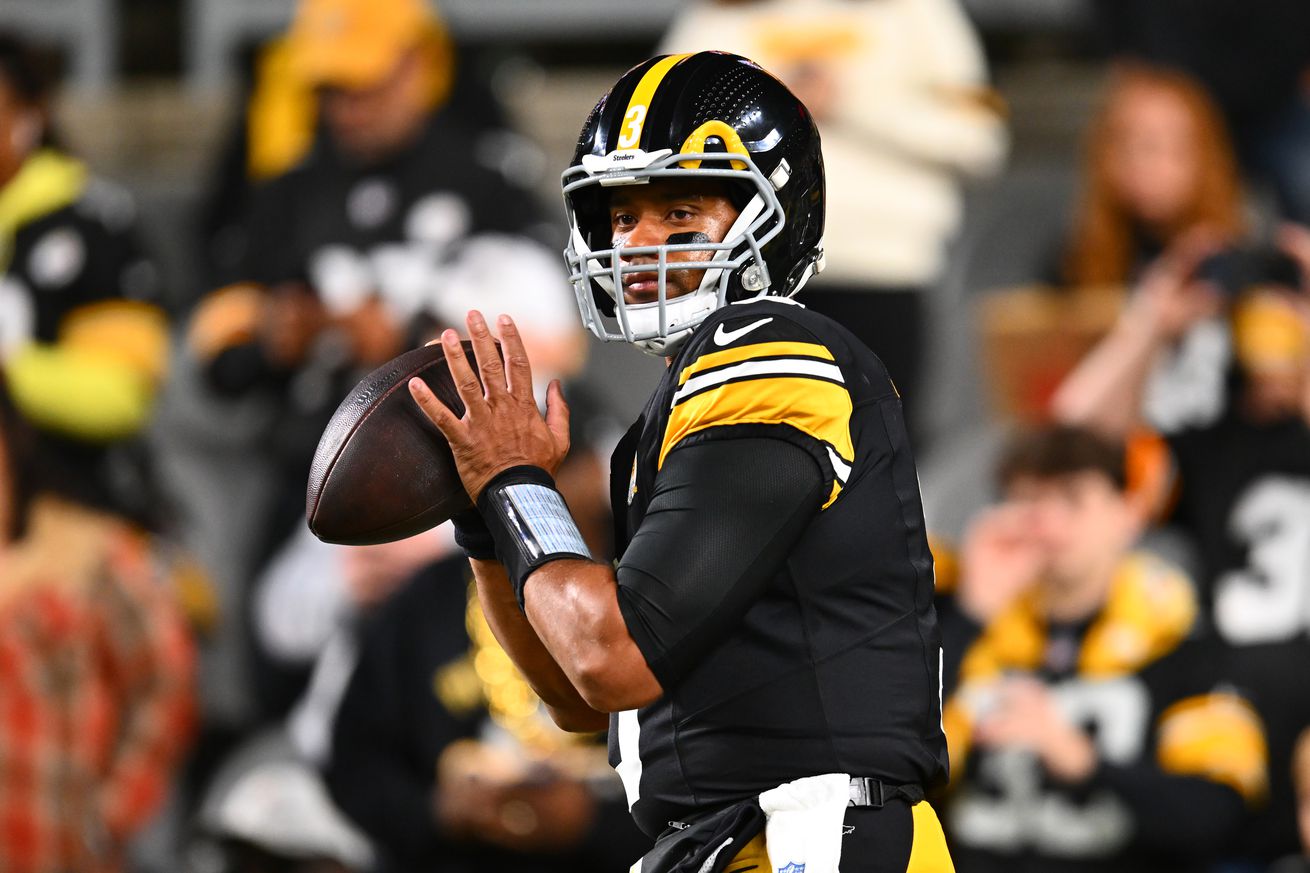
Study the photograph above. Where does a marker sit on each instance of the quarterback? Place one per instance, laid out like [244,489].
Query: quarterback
[765,654]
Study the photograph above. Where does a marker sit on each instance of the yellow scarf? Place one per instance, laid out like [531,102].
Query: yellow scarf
[1150,609]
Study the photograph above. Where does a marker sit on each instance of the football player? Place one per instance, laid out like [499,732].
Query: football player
[766,649]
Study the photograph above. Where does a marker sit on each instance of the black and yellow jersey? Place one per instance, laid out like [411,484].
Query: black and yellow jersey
[67,241]
[1180,752]
[83,334]
[1244,497]
[835,665]
[352,230]
[1244,500]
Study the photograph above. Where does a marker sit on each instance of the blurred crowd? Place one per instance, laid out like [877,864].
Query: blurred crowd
[1126,613]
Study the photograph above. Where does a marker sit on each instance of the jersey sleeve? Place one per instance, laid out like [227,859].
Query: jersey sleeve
[764,375]
[723,518]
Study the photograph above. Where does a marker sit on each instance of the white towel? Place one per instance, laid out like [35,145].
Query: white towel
[804,830]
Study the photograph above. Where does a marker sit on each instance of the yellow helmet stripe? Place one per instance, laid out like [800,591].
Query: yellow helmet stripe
[634,119]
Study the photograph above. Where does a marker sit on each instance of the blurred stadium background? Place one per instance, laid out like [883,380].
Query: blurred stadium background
[151,90]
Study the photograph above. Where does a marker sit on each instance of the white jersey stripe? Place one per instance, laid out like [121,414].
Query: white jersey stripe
[629,766]
[779,367]
[840,467]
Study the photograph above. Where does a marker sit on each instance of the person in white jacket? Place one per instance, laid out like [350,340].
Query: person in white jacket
[899,91]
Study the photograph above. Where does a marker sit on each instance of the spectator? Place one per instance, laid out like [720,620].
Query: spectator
[1159,182]
[1255,64]
[309,590]
[96,684]
[282,125]
[442,754]
[1086,735]
[346,251]
[1157,171]
[83,340]
[898,90]
[1157,165]
[1244,478]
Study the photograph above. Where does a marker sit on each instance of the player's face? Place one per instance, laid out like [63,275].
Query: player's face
[647,215]
[368,124]
[1081,524]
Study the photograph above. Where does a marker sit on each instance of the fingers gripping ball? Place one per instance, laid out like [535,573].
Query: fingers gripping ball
[382,471]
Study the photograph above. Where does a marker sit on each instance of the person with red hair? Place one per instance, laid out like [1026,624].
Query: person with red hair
[1158,164]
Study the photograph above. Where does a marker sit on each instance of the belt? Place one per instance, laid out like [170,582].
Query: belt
[867,791]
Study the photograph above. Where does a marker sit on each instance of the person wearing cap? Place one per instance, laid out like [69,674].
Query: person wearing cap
[355,221]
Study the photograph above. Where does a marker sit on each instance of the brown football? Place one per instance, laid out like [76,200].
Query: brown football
[382,471]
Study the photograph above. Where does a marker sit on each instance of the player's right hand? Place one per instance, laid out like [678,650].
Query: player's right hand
[501,427]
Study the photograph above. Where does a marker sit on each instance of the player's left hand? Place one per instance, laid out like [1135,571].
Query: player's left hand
[501,427]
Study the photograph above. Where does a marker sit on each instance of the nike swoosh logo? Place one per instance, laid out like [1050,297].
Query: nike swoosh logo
[725,337]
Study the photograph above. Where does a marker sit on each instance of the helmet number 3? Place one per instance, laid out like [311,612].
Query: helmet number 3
[631,134]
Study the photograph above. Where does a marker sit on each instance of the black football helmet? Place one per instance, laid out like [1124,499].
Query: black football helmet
[712,115]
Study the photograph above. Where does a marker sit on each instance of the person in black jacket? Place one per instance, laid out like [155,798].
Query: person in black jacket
[441,756]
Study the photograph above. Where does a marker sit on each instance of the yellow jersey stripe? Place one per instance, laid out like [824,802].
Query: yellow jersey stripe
[820,409]
[634,118]
[817,408]
[758,350]
[1217,737]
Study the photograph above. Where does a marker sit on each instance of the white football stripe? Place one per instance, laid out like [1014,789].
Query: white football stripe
[778,367]
[629,766]
[840,467]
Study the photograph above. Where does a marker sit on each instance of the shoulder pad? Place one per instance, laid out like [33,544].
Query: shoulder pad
[755,366]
